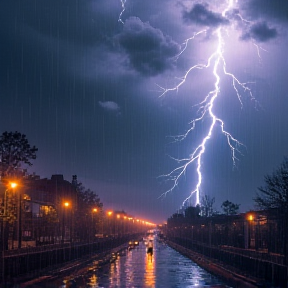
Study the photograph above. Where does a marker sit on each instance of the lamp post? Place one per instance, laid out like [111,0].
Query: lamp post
[12,185]
[65,205]
[109,213]
[117,224]
[124,225]
[94,210]
[250,240]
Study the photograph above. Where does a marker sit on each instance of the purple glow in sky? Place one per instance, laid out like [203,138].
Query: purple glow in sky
[81,80]
[203,17]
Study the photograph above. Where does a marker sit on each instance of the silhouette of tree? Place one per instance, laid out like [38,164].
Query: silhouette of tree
[274,195]
[230,208]
[207,206]
[15,150]
[87,219]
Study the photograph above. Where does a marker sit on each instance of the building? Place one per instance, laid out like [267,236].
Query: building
[47,213]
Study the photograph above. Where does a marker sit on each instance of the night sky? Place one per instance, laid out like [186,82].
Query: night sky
[84,81]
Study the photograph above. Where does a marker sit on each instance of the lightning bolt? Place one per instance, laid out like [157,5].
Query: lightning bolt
[205,111]
[122,11]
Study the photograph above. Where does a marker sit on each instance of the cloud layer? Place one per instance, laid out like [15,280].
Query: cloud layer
[260,32]
[276,10]
[149,51]
[202,16]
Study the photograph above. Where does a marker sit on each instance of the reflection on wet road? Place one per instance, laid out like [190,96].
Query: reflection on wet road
[135,268]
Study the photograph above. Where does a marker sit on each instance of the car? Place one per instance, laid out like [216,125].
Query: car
[133,244]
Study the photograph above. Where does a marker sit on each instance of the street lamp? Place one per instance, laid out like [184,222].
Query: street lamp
[94,210]
[65,205]
[109,213]
[250,242]
[117,225]
[11,185]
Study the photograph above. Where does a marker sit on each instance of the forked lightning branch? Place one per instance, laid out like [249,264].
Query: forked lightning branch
[217,62]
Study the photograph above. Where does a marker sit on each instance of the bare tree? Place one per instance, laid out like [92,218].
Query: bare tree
[207,206]
[274,195]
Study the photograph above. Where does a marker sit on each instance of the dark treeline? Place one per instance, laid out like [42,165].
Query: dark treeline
[36,212]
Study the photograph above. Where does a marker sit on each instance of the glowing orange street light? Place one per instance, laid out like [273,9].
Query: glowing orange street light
[94,210]
[13,185]
[250,217]
[118,216]
[66,204]
[109,213]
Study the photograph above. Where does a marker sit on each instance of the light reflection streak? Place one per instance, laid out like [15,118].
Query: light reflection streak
[112,272]
[93,281]
[129,268]
[118,268]
[150,277]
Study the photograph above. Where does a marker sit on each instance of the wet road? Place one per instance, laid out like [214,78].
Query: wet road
[165,269]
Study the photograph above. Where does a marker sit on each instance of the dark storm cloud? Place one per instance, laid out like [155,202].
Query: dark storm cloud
[74,21]
[201,15]
[149,51]
[274,9]
[50,39]
[260,32]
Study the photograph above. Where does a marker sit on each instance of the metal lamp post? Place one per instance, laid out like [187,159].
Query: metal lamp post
[19,217]
[65,205]
[109,213]
[94,210]
[12,185]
